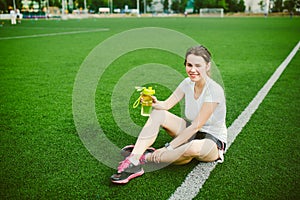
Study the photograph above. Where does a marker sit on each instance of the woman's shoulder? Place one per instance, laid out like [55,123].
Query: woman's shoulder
[213,84]
[215,90]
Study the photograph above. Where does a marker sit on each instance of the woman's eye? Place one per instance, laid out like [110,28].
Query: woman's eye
[190,65]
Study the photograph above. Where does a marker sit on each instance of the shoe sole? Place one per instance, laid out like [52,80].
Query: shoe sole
[132,176]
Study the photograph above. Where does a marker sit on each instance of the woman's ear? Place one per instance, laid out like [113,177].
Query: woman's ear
[208,66]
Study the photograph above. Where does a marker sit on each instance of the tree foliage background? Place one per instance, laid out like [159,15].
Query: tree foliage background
[177,6]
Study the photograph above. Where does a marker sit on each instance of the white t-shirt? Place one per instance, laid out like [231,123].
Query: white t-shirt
[212,92]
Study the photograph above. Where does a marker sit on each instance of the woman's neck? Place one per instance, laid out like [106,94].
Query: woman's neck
[198,88]
[200,84]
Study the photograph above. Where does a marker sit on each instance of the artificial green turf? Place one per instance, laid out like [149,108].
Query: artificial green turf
[42,156]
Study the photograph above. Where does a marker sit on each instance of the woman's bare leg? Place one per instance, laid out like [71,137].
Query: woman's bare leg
[157,119]
[203,150]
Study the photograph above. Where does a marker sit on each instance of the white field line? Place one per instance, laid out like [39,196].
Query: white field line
[197,177]
[53,34]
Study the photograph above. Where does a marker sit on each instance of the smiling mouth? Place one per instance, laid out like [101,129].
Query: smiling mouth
[194,75]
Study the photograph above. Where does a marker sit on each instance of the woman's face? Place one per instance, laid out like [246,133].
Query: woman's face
[196,67]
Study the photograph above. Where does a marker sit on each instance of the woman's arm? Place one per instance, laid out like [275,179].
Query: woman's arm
[205,112]
[175,97]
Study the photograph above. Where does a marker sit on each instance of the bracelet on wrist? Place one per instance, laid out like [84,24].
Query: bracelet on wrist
[168,146]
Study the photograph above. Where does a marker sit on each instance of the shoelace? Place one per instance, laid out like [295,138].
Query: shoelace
[123,165]
[143,159]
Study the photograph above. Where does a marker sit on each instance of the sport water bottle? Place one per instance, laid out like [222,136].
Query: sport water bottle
[146,102]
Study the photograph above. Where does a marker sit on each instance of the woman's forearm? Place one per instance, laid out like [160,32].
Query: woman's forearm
[160,105]
[183,137]
[205,112]
[175,97]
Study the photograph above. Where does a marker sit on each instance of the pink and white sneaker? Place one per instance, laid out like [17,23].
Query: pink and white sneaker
[127,171]
[124,177]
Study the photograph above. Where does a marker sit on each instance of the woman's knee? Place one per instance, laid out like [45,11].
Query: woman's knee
[158,115]
[156,112]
